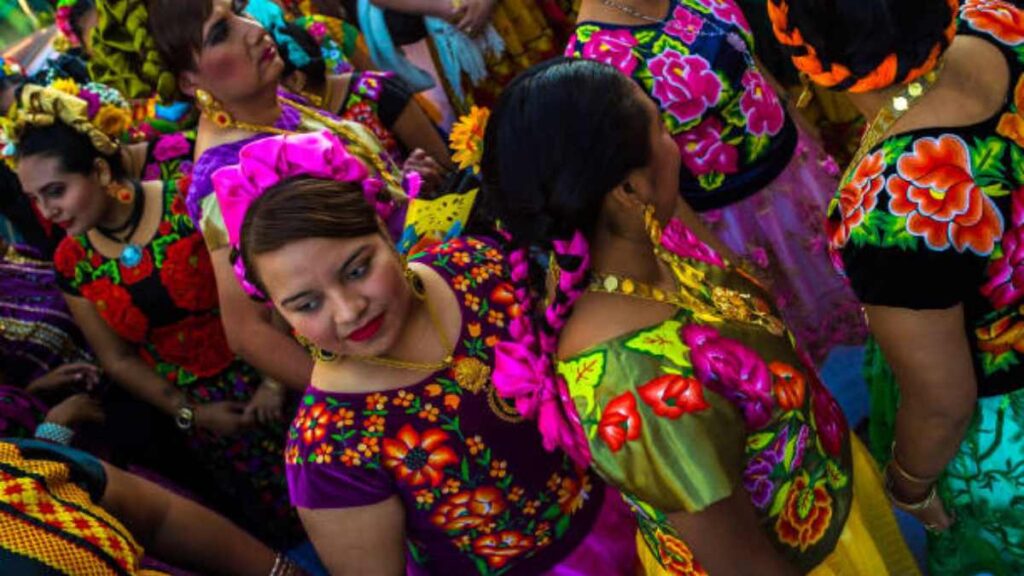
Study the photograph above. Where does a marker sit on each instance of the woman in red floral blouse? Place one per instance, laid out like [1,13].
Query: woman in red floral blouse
[138,280]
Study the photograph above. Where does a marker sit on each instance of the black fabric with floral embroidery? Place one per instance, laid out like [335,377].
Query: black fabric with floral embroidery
[934,217]
[481,495]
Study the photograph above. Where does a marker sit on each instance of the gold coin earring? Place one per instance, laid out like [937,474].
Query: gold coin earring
[120,192]
[211,108]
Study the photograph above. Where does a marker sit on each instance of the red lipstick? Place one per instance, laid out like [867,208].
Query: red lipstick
[367,331]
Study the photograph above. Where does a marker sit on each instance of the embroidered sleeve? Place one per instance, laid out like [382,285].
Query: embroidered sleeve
[70,261]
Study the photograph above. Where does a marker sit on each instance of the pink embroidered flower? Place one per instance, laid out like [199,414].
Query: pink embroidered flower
[681,241]
[703,150]
[760,105]
[152,172]
[684,85]
[684,25]
[1005,284]
[728,11]
[170,146]
[733,370]
[828,419]
[614,47]
[318,30]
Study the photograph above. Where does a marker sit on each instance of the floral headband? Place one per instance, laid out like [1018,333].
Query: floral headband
[837,76]
[94,110]
[62,18]
[266,162]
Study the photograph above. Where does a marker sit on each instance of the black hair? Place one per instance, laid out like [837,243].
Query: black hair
[315,69]
[177,30]
[563,135]
[76,153]
[78,10]
[860,34]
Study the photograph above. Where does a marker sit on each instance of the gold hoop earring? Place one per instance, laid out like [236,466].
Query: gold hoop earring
[212,109]
[316,352]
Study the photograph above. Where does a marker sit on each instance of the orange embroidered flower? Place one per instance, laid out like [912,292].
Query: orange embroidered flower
[515,494]
[473,328]
[999,18]
[344,417]
[376,401]
[461,283]
[496,318]
[475,445]
[429,412]
[374,423]
[322,454]
[369,446]
[451,486]
[480,274]
[499,548]
[530,508]
[806,515]
[859,196]
[452,402]
[676,557]
[433,390]
[573,493]
[424,498]
[404,399]
[934,189]
[291,455]
[1001,336]
[351,458]
[461,258]
[313,423]
[554,482]
[790,386]
[468,510]
[491,341]
[472,302]
[1011,125]
[498,468]
[419,459]
[464,542]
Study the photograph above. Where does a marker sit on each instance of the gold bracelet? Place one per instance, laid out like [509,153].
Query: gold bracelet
[907,475]
[907,506]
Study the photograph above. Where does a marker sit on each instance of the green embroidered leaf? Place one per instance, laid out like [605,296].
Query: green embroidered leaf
[582,376]
[836,477]
[667,42]
[1017,165]
[992,363]
[698,6]
[733,115]
[160,248]
[109,268]
[893,147]
[644,36]
[552,512]
[562,526]
[756,146]
[481,565]
[586,31]
[759,441]
[1020,53]
[787,459]
[780,498]
[662,341]
[996,190]
[711,180]
[464,470]
[987,157]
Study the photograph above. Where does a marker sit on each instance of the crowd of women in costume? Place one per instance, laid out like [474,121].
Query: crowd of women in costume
[270,309]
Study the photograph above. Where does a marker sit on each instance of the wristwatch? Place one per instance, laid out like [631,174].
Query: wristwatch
[185,417]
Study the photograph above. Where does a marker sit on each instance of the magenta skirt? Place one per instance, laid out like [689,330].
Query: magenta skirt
[781,231]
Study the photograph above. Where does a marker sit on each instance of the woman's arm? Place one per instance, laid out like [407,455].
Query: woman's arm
[438,8]
[727,539]
[415,130]
[363,541]
[181,531]
[251,333]
[931,359]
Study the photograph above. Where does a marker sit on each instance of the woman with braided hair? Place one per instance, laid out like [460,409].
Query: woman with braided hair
[645,353]
[927,223]
[401,442]
[757,182]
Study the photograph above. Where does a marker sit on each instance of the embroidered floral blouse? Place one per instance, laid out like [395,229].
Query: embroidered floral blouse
[481,495]
[935,217]
[732,131]
[716,399]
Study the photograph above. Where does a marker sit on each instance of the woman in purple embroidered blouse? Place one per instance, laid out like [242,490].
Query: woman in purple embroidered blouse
[401,442]
[758,183]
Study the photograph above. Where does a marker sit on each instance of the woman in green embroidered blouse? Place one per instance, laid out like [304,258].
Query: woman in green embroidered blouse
[687,392]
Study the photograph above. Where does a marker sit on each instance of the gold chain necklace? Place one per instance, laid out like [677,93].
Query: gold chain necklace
[889,114]
[449,350]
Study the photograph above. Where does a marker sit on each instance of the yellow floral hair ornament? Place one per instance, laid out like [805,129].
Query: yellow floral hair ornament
[467,138]
[43,106]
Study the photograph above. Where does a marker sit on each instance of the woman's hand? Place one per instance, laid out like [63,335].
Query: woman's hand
[77,409]
[472,16]
[85,376]
[430,170]
[266,404]
[222,418]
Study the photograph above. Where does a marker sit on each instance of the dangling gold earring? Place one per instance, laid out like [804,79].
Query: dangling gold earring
[120,192]
[652,225]
[212,109]
[318,354]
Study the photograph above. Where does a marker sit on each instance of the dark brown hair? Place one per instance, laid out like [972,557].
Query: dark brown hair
[177,30]
[300,208]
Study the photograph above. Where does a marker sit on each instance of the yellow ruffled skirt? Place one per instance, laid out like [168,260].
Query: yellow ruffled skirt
[870,544]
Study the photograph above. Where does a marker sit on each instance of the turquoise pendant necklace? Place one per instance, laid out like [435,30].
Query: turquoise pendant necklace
[131,254]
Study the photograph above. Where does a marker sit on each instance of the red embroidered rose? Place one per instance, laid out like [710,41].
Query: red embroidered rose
[790,386]
[671,396]
[115,306]
[859,197]
[828,419]
[935,190]
[68,255]
[468,510]
[499,548]
[188,274]
[620,422]
[999,18]
[197,344]
[132,274]
[419,459]
[806,515]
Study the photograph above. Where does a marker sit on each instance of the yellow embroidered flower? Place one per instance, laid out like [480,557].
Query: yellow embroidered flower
[475,444]
[429,412]
[467,138]
[498,468]
[344,417]
[351,458]
[112,121]
[374,423]
[66,85]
